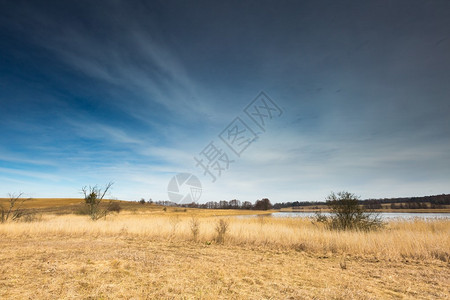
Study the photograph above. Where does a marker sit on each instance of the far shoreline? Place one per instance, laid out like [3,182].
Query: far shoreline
[428,210]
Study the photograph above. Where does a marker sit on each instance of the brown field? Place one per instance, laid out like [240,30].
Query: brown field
[62,206]
[44,202]
[147,253]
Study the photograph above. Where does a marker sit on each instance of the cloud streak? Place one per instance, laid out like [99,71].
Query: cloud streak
[132,91]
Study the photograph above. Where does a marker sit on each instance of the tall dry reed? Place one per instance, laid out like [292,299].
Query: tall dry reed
[417,239]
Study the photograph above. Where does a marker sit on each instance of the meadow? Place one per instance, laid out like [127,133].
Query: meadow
[145,252]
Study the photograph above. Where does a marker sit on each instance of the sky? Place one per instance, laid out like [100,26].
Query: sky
[356,94]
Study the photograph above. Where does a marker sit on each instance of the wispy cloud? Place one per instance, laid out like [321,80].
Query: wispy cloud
[131,91]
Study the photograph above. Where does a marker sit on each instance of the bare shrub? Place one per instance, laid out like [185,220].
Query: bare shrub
[31,216]
[115,207]
[15,210]
[194,225]
[93,198]
[221,230]
[348,214]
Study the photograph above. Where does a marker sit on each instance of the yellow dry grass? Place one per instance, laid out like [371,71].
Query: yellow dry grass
[152,255]
[417,239]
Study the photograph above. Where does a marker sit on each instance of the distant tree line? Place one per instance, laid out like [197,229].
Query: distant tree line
[436,201]
[414,205]
[298,204]
[263,204]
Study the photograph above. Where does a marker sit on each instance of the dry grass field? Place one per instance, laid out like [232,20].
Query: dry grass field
[149,253]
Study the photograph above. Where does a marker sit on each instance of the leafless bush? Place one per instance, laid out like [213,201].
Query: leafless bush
[195,228]
[221,229]
[31,216]
[348,214]
[93,197]
[15,210]
[115,207]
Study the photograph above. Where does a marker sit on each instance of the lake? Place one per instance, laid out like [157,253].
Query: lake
[383,215]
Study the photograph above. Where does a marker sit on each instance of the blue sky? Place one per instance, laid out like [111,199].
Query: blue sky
[131,91]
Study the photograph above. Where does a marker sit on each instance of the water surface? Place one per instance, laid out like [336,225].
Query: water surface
[383,215]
